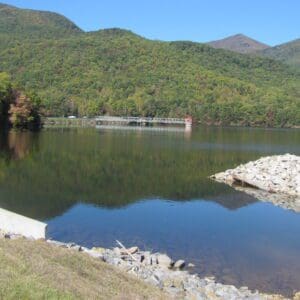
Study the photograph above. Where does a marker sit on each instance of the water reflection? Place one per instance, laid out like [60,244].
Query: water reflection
[16,145]
[44,174]
[256,245]
[61,168]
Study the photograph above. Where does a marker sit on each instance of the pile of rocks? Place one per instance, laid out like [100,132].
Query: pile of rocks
[170,276]
[276,177]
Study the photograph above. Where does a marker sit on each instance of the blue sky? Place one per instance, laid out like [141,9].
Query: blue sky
[269,21]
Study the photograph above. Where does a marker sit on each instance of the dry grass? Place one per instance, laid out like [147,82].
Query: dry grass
[37,270]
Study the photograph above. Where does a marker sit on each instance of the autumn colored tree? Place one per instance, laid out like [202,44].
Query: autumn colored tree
[24,112]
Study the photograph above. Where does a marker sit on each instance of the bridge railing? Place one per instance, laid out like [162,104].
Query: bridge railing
[113,119]
[141,119]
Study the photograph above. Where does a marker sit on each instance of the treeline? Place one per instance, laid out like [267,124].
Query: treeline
[17,108]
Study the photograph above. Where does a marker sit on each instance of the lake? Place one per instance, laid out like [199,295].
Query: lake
[151,189]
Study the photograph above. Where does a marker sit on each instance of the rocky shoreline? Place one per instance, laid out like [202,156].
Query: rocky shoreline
[275,179]
[161,271]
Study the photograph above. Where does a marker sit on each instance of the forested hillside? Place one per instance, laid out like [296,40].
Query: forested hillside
[5,96]
[288,53]
[17,25]
[26,23]
[117,72]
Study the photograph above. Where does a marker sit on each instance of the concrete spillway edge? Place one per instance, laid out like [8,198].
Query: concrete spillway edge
[14,223]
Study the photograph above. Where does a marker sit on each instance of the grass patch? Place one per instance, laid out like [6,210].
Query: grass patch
[37,270]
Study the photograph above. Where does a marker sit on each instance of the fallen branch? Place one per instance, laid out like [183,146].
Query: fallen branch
[123,247]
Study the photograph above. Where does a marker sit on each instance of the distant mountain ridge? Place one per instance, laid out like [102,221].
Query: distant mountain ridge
[288,53]
[25,24]
[239,43]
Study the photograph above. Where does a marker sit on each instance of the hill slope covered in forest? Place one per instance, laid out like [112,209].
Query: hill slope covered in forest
[118,72]
[26,23]
[288,53]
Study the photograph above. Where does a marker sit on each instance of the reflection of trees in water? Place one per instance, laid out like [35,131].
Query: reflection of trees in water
[59,169]
[19,144]
[16,145]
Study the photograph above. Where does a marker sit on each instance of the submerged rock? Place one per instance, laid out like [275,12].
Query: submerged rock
[180,264]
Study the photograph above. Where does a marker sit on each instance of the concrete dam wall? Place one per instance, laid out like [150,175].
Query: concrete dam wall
[14,223]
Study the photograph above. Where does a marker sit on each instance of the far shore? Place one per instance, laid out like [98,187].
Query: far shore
[89,122]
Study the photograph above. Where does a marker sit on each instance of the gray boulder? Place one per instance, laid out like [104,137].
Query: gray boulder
[164,260]
[180,264]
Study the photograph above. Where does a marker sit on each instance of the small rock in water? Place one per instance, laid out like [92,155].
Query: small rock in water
[190,265]
[180,264]
[165,261]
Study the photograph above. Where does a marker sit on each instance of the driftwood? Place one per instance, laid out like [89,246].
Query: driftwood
[124,248]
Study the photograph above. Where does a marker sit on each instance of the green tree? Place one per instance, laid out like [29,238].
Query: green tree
[6,96]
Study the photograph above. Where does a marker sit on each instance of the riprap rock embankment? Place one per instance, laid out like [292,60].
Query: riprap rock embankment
[274,178]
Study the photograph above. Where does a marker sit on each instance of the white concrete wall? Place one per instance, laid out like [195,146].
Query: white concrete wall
[17,224]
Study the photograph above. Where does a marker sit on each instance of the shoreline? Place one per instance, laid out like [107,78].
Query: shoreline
[159,270]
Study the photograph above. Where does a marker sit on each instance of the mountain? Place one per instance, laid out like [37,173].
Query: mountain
[288,53]
[25,23]
[239,43]
[115,71]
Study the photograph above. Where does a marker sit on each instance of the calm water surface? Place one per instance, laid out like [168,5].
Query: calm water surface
[151,189]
